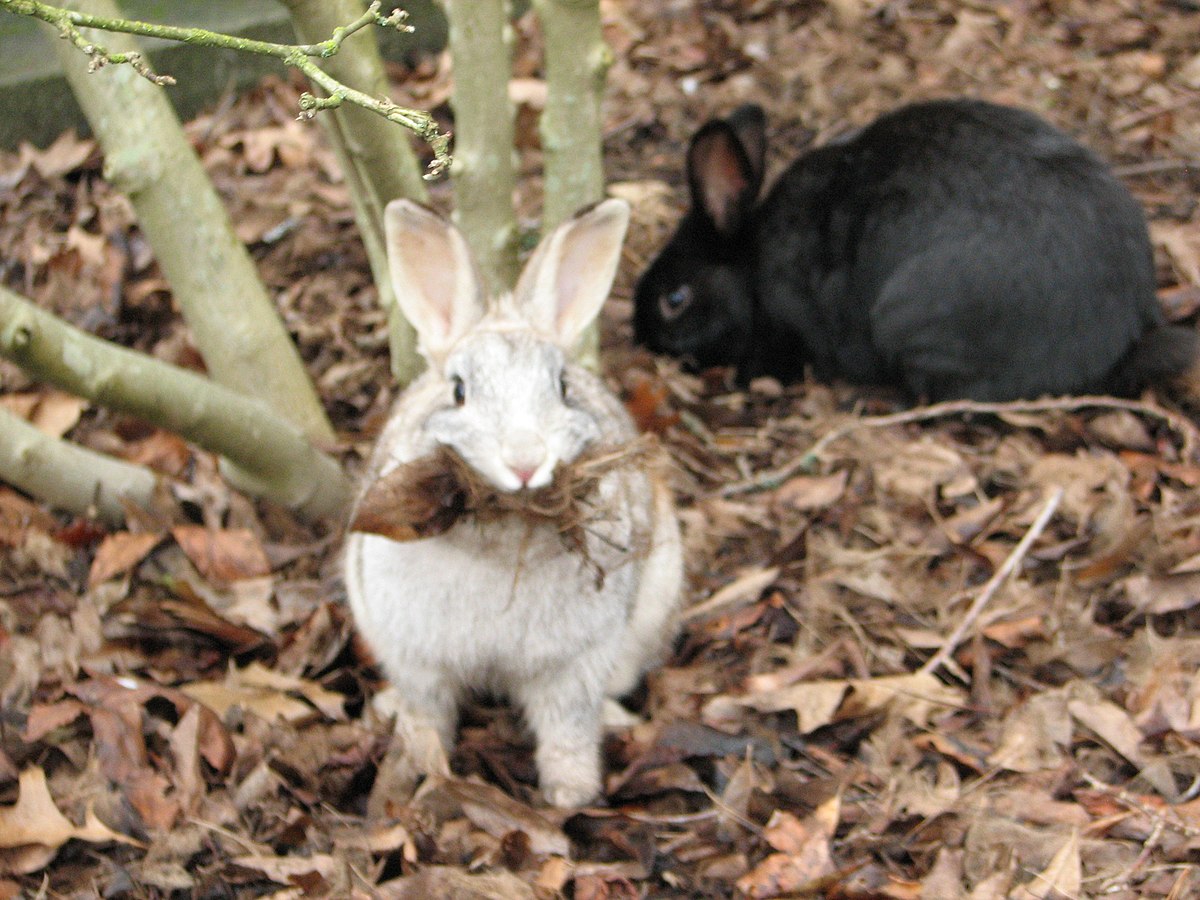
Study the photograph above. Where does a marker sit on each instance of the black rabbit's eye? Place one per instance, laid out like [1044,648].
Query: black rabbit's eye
[562,385]
[460,391]
[676,301]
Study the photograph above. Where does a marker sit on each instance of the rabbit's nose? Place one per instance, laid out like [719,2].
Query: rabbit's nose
[524,473]
[524,454]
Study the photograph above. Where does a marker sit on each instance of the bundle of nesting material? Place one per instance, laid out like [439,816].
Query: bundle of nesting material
[428,496]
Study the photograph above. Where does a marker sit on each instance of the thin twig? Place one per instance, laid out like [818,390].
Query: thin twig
[1130,120]
[993,584]
[1119,793]
[298,56]
[1155,167]
[1187,432]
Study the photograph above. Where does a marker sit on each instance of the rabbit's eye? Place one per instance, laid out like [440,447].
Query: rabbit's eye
[562,385]
[460,391]
[676,301]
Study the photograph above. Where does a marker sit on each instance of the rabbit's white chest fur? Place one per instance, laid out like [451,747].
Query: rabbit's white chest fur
[493,604]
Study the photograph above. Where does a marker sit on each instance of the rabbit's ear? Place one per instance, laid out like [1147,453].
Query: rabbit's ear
[433,274]
[725,166]
[568,278]
[749,123]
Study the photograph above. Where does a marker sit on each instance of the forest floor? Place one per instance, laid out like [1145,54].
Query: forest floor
[190,694]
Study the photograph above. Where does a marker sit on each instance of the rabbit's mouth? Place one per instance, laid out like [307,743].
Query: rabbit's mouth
[430,495]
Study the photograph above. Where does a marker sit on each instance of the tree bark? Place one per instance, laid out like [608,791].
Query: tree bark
[268,455]
[577,60]
[213,279]
[375,156]
[484,176]
[69,477]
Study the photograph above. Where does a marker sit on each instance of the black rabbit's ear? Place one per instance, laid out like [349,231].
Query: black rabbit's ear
[749,123]
[722,179]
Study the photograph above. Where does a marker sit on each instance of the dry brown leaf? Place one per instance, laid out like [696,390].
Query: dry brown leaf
[226,555]
[993,887]
[1165,675]
[496,813]
[260,146]
[66,154]
[1084,478]
[18,515]
[917,697]
[37,820]
[44,718]
[554,875]
[1063,877]
[529,92]
[267,694]
[92,248]
[733,810]
[266,704]
[57,412]
[455,884]
[389,838]
[1016,633]
[970,521]
[119,553]
[286,869]
[1106,720]
[328,702]
[745,588]
[1122,430]
[804,858]
[189,776]
[806,492]
[945,879]
[162,451]
[922,470]
[21,405]
[1156,594]
[1181,243]
[251,604]
[1035,735]
[927,794]
[51,412]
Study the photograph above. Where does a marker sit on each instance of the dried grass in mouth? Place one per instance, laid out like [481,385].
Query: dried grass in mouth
[428,496]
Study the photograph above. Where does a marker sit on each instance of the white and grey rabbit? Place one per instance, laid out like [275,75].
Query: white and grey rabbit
[506,605]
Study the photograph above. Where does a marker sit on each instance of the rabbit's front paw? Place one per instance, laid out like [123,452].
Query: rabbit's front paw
[569,789]
[569,769]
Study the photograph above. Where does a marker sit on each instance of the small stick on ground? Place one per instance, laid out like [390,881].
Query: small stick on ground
[993,584]
[1189,437]
[1172,821]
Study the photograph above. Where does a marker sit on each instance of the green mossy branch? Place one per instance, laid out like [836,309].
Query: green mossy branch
[298,56]
[67,476]
[270,457]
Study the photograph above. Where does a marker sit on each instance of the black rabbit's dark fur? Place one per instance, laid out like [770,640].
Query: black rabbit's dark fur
[954,248]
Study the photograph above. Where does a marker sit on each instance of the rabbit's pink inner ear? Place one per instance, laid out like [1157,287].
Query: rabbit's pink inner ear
[749,124]
[432,272]
[569,276]
[720,177]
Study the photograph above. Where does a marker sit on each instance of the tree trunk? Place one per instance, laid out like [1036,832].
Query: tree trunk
[577,60]
[213,279]
[484,176]
[68,477]
[269,455]
[374,154]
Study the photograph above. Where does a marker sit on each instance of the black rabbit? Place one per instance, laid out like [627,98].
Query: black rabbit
[954,248]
